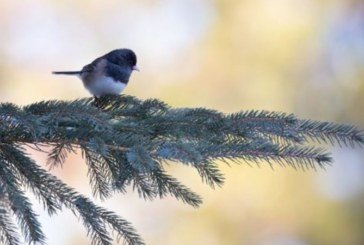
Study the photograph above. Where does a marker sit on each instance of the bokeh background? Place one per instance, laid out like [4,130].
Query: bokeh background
[300,56]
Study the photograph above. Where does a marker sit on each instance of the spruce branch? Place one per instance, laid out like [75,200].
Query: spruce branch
[20,205]
[126,142]
[8,233]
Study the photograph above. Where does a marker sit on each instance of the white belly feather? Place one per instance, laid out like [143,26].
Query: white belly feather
[104,85]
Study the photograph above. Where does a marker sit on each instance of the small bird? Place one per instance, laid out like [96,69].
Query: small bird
[108,74]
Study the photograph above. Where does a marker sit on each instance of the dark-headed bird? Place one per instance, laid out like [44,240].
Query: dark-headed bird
[108,74]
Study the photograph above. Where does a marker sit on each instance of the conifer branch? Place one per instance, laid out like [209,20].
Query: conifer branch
[8,233]
[126,142]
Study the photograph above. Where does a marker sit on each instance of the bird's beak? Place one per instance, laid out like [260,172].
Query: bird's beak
[135,68]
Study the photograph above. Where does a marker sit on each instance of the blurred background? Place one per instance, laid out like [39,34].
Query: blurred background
[299,56]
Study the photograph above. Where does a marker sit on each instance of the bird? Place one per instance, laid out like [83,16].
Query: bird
[108,74]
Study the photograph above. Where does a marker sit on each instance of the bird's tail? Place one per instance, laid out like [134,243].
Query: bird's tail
[66,72]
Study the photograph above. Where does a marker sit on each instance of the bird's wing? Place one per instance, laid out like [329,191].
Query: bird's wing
[92,66]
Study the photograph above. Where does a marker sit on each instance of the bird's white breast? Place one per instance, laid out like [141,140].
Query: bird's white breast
[98,84]
[103,85]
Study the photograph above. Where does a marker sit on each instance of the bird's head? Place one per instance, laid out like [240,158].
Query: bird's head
[123,57]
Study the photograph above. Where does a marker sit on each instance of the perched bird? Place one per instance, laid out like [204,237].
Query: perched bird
[108,74]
